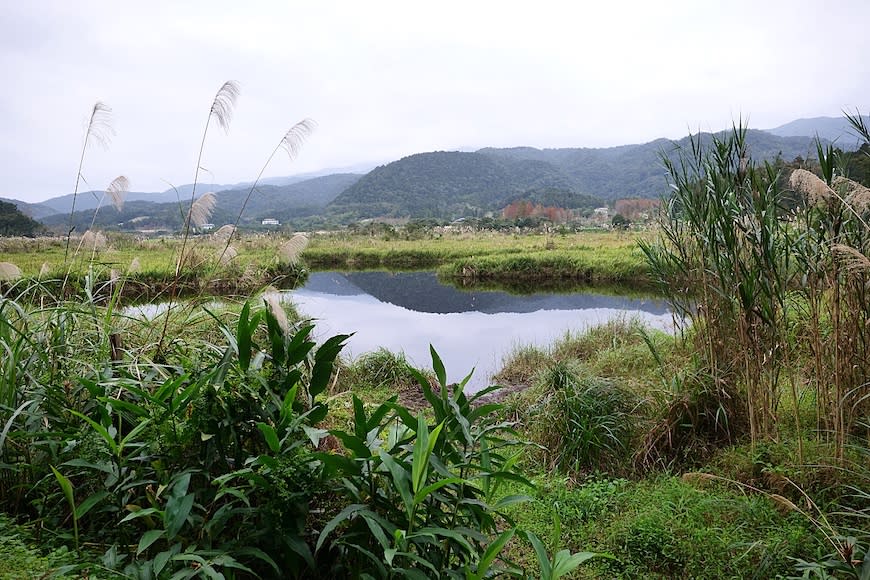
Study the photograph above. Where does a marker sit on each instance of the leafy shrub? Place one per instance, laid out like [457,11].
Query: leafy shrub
[584,423]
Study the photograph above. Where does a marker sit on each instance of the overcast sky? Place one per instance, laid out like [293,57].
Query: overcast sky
[388,79]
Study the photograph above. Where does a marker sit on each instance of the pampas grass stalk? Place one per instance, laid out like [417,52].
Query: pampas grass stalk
[99,130]
[9,271]
[290,143]
[293,248]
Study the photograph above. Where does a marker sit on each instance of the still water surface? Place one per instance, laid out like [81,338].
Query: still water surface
[406,312]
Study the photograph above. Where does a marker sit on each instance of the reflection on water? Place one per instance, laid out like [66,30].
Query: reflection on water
[408,311]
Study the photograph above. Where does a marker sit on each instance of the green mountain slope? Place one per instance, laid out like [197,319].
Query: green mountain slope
[447,185]
[636,170]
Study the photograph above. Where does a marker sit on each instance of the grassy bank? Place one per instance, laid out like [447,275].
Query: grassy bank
[490,256]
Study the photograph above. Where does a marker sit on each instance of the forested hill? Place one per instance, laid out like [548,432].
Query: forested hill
[453,184]
[636,170]
[284,202]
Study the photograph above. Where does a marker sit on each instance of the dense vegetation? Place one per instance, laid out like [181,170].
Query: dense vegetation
[225,441]
[15,223]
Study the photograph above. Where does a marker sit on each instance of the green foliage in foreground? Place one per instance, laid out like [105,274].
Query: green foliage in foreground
[217,461]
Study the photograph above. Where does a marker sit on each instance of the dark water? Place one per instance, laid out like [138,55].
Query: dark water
[409,311]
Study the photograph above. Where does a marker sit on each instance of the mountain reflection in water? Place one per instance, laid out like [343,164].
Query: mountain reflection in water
[406,312]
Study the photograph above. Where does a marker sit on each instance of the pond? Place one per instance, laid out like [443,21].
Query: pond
[408,311]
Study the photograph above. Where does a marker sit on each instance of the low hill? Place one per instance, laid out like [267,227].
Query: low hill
[13,222]
[284,203]
[447,185]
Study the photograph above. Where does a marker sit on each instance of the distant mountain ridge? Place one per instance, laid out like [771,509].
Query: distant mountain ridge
[834,129]
[444,184]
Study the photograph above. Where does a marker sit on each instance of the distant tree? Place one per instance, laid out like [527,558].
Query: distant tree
[15,223]
[620,222]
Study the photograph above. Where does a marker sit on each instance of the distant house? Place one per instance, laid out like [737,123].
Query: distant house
[271,222]
[206,227]
[603,211]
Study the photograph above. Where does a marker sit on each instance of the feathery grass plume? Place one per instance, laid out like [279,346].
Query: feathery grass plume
[293,248]
[9,271]
[98,130]
[44,270]
[227,255]
[291,142]
[223,104]
[134,265]
[854,194]
[200,210]
[117,190]
[295,137]
[93,240]
[811,185]
[273,302]
[854,260]
[225,232]
[114,275]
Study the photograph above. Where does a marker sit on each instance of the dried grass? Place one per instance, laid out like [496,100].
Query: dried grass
[93,240]
[226,256]
[224,102]
[201,208]
[117,190]
[224,232]
[273,302]
[812,186]
[854,194]
[9,272]
[292,249]
[854,260]
[134,265]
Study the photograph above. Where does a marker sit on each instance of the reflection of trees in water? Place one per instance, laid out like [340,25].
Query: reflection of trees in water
[422,292]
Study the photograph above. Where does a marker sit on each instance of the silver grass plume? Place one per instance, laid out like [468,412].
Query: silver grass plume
[225,232]
[200,210]
[134,265]
[293,248]
[99,126]
[118,190]
[93,240]
[114,275]
[854,194]
[9,271]
[223,104]
[854,260]
[44,270]
[227,255]
[811,185]
[295,137]
[99,130]
[273,302]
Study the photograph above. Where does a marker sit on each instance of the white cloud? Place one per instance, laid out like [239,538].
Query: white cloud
[389,79]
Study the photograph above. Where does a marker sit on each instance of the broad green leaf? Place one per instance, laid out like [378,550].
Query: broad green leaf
[147,539]
[104,433]
[66,487]
[543,559]
[423,493]
[345,514]
[175,515]
[89,503]
[400,480]
[565,562]
[492,552]
[270,435]
[438,367]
